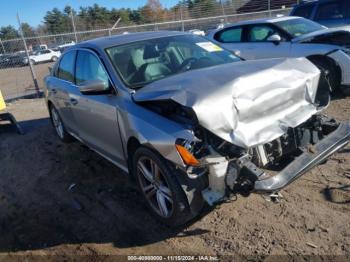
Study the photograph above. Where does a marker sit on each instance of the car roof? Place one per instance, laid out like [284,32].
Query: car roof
[105,42]
[263,20]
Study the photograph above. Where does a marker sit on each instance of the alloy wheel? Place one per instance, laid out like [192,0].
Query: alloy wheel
[155,187]
[57,122]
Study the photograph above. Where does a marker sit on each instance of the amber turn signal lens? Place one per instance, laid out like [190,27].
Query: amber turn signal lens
[186,156]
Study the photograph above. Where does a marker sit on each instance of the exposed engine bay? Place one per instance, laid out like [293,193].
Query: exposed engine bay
[234,169]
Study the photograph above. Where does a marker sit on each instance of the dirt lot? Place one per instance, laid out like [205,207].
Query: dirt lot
[104,214]
[18,81]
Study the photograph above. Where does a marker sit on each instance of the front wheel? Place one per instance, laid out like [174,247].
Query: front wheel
[32,62]
[159,187]
[54,58]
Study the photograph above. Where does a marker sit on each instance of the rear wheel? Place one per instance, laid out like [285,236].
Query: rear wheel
[161,190]
[54,58]
[59,126]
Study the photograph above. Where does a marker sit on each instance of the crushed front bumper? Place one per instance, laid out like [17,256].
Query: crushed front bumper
[320,152]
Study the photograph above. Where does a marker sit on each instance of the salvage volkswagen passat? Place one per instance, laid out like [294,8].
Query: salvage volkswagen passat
[189,120]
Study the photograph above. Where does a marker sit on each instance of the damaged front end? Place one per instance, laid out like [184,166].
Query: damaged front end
[266,168]
[251,135]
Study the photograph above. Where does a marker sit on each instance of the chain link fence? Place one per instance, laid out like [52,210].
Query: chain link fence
[16,79]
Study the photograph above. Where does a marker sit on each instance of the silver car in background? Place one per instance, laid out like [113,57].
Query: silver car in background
[329,49]
[191,121]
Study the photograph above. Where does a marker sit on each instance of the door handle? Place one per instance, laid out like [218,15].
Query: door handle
[54,91]
[73,101]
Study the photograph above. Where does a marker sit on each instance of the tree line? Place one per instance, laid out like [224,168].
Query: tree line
[93,17]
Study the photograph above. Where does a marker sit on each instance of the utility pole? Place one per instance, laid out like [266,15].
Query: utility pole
[2,45]
[27,54]
[269,7]
[73,24]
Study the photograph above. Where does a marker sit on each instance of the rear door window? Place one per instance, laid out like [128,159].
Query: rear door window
[231,35]
[66,68]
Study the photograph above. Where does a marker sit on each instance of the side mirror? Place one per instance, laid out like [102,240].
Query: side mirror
[93,87]
[275,38]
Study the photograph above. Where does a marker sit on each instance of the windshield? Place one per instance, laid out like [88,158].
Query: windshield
[299,26]
[143,62]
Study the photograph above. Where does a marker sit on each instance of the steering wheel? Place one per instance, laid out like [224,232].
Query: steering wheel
[186,64]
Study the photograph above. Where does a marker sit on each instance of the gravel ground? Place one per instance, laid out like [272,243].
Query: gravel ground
[58,199]
[18,81]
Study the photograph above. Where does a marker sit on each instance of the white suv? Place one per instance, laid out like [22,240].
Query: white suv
[43,56]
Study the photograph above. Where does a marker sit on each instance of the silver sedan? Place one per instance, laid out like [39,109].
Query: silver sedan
[189,120]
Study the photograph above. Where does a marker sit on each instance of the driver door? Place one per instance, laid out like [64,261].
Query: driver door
[96,114]
[259,46]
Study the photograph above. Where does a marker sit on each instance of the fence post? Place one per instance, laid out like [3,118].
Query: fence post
[223,10]
[114,26]
[269,7]
[74,29]
[3,48]
[27,54]
[181,18]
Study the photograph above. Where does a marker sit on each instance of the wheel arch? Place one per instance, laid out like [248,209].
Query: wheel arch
[49,103]
[317,57]
[132,145]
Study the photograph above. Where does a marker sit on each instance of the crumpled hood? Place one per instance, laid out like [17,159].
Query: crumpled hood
[246,103]
[328,36]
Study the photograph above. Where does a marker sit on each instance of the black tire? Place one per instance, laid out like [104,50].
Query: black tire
[60,130]
[330,71]
[54,58]
[179,212]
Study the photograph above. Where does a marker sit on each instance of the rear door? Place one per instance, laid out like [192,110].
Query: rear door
[61,85]
[232,38]
[96,115]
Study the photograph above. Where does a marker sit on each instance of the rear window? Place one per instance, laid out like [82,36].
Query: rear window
[304,11]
